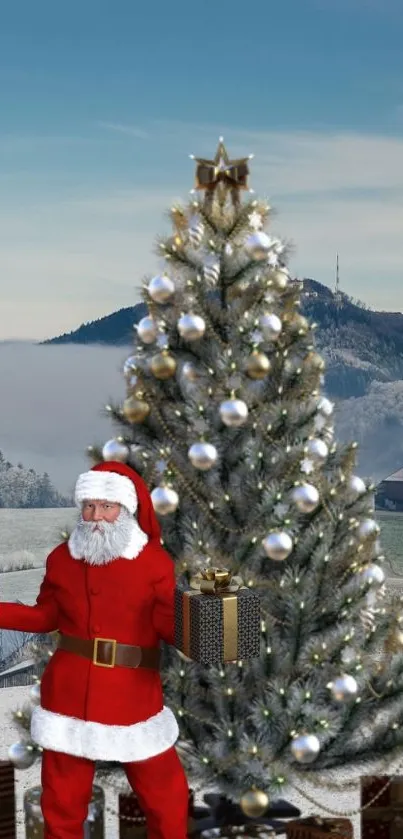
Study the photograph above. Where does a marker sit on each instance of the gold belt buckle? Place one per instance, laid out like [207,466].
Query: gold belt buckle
[95,652]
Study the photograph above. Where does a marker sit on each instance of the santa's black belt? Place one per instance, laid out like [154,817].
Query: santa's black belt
[106,652]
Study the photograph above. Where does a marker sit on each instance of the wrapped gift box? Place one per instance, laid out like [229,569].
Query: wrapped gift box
[7,801]
[132,821]
[392,791]
[384,818]
[382,823]
[316,827]
[217,620]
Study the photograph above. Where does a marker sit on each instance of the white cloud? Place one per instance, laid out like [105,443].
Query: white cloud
[71,259]
[131,130]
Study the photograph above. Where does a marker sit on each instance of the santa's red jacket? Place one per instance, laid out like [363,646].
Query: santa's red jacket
[87,710]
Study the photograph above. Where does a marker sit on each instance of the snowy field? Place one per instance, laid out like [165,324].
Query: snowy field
[27,536]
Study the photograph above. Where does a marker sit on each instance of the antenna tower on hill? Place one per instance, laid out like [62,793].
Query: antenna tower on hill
[338,297]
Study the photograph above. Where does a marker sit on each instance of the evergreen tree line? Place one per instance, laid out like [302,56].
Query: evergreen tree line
[24,488]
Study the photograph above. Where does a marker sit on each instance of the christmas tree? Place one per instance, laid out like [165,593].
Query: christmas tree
[225,419]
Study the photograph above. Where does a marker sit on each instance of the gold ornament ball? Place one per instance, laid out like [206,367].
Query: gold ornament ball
[254,803]
[163,366]
[315,361]
[135,410]
[297,322]
[257,365]
[280,278]
[395,641]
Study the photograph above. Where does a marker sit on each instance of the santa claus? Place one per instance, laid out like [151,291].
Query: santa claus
[109,591]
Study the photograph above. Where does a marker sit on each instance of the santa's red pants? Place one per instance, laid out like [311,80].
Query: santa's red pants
[159,783]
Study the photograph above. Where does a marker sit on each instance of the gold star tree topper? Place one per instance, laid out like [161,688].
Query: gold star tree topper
[231,174]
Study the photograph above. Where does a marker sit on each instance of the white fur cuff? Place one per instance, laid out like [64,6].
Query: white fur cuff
[106,486]
[96,741]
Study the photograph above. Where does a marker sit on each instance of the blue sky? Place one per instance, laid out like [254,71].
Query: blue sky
[101,103]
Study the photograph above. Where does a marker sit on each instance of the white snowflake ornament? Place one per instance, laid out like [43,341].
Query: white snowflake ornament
[307,466]
[255,220]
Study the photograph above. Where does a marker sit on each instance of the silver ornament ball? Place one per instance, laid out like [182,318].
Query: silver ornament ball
[258,245]
[234,412]
[278,545]
[115,450]
[306,498]
[305,748]
[317,449]
[165,500]
[35,694]
[271,326]
[355,486]
[373,575]
[368,528]
[325,407]
[161,288]
[344,687]
[21,756]
[203,456]
[191,327]
[147,330]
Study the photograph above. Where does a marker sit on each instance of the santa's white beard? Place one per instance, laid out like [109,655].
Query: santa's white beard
[101,542]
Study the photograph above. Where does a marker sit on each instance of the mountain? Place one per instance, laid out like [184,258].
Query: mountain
[360,346]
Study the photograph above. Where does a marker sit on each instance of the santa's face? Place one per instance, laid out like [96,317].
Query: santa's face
[103,532]
[98,511]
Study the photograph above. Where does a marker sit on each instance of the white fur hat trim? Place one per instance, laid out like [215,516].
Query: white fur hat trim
[106,486]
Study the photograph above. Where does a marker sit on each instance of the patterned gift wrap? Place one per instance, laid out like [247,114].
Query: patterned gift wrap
[315,827]
[391,792]
[382,823]
[384,818]
[132,821]
[217,620]
[93,826]
[7,801]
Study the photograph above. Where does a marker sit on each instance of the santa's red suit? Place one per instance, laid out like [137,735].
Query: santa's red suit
[91,712]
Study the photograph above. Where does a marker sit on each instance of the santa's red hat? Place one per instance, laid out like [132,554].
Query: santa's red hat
[120,484]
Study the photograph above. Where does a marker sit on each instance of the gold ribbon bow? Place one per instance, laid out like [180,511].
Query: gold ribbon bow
[221,583]
[215,581]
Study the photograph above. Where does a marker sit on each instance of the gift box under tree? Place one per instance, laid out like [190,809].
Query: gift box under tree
[217,619]
[383,818]
[7,801]
[132,821]
[315,827]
